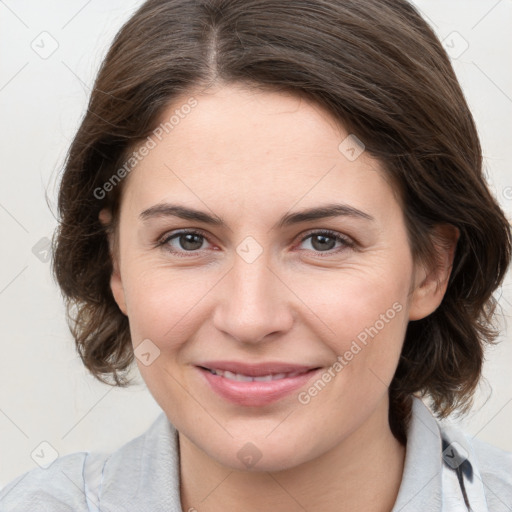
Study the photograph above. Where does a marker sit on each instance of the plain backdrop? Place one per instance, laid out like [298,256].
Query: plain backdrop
[50,53]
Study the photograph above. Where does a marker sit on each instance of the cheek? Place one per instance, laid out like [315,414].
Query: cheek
[165,305]
[363,313]
[350,300]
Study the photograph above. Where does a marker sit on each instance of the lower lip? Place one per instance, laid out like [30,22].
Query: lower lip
[256,394]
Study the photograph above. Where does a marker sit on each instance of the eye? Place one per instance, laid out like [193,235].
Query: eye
[190,241]
[325,241]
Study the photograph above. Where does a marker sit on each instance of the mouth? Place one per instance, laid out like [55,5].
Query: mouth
[240,377]
[246,389]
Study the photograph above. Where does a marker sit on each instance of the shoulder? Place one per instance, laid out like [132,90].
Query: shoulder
[492,466]
[495,467]
[58,488]
[75,481]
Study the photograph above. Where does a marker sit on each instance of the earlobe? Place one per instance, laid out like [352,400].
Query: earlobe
[430,285]
[116,285]
[105,217]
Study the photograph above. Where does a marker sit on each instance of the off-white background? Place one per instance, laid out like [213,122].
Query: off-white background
[45,394]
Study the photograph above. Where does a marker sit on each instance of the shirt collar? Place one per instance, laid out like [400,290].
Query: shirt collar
[151,470]
[421,487]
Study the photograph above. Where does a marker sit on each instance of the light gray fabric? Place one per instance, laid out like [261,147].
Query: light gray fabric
[430,483]
[143,475]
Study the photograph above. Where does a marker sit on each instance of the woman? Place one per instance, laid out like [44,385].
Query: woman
[277,209]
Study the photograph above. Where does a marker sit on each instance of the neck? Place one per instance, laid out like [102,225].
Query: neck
[362,473]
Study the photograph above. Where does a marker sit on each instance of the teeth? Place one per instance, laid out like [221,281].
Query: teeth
[264,378]
[237,376]
[246,378]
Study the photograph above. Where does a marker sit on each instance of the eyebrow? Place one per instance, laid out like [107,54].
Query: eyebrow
[309,214]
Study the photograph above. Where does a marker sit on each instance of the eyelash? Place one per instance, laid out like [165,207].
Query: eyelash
[346,242]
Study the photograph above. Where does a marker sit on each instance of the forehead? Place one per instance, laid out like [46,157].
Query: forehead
[253,147]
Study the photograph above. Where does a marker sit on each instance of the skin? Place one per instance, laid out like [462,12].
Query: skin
[250,157]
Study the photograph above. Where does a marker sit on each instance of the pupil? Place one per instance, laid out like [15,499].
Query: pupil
[323,238]
[189,240]
[319,241]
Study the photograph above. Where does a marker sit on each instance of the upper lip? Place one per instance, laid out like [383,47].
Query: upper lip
[256,370]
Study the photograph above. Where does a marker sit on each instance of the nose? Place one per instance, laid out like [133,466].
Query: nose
[254,302]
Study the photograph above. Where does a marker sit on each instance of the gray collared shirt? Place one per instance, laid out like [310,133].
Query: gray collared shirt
[444,469]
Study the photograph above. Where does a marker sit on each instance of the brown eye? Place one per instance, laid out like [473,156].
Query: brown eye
[190,241]
[325,241]
[182,242]
[322,242]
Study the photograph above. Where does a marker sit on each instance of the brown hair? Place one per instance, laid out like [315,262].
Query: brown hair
[377,67]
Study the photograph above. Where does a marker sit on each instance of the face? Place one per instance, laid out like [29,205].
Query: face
[250,281]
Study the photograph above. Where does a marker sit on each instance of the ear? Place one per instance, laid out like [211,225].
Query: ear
[430,284]
[116,284]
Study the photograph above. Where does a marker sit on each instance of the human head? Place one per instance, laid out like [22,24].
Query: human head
[390,83]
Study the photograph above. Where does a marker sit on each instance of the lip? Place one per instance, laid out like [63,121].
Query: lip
[258,394]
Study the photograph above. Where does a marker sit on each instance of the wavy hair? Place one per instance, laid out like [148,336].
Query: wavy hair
[376,66]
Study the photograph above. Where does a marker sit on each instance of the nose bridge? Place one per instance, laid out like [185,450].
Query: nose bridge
[254,301]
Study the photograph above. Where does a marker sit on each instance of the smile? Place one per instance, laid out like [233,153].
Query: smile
[254,391]
[247,378]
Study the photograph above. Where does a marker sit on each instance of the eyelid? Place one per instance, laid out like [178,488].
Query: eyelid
[185,231]
[168,235]
[347,241]
[328,232]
